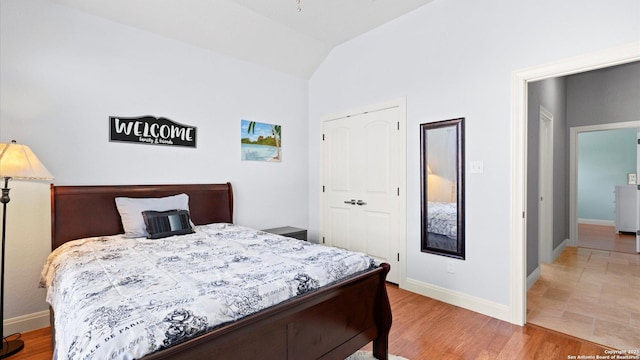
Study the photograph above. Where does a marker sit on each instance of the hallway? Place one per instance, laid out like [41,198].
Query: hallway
[590,294]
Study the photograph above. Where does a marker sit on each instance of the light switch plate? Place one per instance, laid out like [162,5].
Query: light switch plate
[476,167]
[632,179]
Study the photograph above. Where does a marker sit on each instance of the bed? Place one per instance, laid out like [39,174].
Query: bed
[442,225]
[329,322]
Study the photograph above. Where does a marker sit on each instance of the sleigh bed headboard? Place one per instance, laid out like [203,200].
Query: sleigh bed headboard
[84,211]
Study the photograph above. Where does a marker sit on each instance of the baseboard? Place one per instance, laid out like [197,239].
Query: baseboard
[559,249]
[597,222]
[533,277]
[26,323]
[535,274]
[482,306]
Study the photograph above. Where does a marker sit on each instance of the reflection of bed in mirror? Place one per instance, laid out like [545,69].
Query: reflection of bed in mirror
[442,192]
[442,225]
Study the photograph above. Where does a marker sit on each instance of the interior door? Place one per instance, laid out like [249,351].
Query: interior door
[638,194]
[545,187]
[360,180]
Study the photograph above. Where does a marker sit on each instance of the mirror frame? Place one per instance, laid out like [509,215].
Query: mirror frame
[458,124]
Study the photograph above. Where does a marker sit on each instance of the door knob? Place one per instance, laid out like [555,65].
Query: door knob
[360,202]
[352,202]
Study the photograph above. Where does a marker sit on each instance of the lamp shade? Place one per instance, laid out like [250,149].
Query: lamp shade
[19,162]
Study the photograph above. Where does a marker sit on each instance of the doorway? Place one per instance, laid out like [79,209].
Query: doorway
[554,290]
[520,79]
[594,182]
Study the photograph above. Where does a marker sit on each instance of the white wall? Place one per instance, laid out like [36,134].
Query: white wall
[454,58]
[65,72]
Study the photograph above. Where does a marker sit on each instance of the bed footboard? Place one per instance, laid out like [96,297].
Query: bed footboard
[331,323]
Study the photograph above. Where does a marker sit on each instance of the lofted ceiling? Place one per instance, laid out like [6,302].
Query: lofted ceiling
[272,33]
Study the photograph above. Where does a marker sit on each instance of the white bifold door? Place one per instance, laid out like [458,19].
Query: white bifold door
[361,190]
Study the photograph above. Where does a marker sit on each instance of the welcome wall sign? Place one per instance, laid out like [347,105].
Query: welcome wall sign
[151,130]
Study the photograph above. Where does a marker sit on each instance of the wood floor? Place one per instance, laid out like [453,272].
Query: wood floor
[605,238]
[424,328]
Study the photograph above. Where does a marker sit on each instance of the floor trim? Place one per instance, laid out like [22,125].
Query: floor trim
[559,249]
[28,322]
[597,222]
[482,306]
[533,277]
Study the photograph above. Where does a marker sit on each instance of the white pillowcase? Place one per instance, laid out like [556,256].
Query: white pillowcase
[131,209]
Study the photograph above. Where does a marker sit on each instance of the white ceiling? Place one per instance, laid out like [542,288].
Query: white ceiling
[271,33]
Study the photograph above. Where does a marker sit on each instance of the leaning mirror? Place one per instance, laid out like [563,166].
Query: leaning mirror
[442,190]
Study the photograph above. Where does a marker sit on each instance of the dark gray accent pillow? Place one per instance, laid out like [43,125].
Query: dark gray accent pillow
[167,223]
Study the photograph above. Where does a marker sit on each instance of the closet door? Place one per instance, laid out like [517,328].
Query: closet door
[360,180]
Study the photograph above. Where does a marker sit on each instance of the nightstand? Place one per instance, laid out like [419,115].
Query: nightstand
[289,231]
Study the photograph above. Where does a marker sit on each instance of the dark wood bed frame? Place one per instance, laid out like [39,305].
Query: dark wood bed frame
[331,323]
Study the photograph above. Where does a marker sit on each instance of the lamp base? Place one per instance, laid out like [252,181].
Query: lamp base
[10,347]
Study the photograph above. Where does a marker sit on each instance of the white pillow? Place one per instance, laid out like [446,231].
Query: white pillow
[131,209]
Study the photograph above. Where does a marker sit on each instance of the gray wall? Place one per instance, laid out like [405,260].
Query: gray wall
[608,95]
[604,96]
[550,93]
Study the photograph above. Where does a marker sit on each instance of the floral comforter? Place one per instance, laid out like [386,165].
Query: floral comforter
[120,298]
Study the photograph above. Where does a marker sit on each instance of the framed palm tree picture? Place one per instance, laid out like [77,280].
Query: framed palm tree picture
[260,141]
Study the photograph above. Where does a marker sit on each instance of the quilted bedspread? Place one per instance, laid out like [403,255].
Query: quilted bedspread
[120,298]
[442,218]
